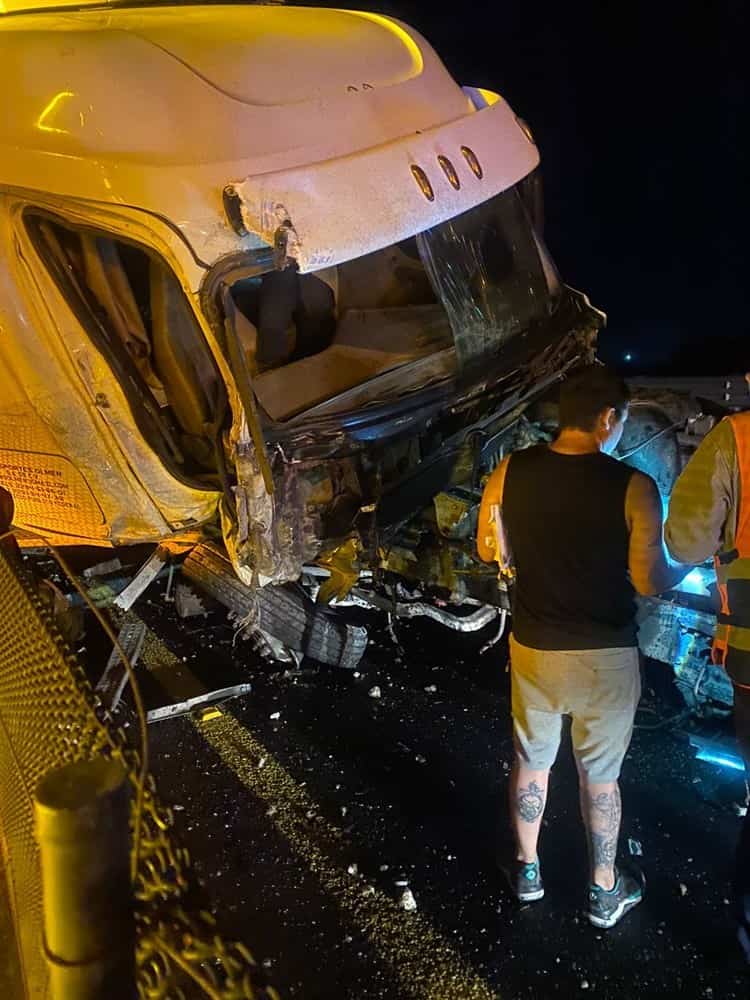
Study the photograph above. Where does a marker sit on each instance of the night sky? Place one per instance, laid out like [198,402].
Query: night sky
[639,110]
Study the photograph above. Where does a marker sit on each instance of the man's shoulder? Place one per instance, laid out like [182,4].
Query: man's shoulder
[525,455]
[627,473]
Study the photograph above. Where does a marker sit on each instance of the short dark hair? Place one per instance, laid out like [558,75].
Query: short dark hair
[587,392]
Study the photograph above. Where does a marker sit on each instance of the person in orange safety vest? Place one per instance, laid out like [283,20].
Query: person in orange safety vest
[709,516]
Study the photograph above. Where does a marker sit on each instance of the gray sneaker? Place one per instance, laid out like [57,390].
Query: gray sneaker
[525,880]
[608,908]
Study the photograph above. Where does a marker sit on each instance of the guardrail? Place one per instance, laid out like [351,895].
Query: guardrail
[50,716]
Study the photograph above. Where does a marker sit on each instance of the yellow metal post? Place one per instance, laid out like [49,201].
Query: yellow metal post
[82,826]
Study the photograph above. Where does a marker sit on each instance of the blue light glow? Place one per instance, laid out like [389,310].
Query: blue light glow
[723,760]
[697,582]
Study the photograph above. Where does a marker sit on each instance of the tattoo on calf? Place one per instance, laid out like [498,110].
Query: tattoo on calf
[608,810]
[604,818]
[531,802]
[604,849]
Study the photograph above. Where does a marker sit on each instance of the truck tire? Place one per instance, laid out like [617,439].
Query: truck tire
[285,612]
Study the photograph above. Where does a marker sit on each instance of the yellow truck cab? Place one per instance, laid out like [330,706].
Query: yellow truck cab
[269,275]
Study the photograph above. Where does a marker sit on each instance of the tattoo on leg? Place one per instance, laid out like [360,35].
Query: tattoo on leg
[530,802]
[604,850]
[605,811]
[608,809]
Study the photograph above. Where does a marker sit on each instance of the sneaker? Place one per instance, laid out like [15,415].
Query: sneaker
[525,880]
[607,908]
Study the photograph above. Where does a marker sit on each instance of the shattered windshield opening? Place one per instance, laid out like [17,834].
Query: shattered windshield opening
[394,320]
[373,321]
[492,274]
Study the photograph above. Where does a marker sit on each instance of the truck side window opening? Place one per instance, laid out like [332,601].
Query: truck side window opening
[149,328]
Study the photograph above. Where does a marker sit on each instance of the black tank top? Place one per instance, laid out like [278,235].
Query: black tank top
[565,520]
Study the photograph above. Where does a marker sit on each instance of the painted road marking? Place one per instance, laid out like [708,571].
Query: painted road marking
[427,966]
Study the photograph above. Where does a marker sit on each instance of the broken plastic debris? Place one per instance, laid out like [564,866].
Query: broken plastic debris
[374,692]
[408,902]
[275,715]
[634,846]
[102,568]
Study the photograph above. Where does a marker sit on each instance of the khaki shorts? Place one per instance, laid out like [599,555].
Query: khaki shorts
[598,688]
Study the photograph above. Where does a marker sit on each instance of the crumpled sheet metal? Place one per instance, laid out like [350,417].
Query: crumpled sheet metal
[343,208]
[273,537]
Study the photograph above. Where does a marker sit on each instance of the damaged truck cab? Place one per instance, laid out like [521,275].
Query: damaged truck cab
[269,276]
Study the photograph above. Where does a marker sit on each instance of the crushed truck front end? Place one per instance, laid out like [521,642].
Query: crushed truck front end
[165,168]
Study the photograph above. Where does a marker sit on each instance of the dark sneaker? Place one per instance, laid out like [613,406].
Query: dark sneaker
[525,880]
[608,908]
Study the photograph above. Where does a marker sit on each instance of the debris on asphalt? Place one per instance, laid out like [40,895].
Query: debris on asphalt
[102,569]
[431,688]
[408,902]
[275,715]
[635,848]
[374,692]
[353,870]
[683,889]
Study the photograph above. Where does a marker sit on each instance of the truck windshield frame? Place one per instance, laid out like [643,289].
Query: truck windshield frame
[378,326]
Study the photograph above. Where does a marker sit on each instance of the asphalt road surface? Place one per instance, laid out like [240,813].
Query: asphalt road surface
[352,839]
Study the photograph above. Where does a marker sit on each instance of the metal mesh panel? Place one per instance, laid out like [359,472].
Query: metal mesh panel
[50,716]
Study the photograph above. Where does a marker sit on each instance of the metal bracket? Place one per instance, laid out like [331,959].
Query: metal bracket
[143,578]
[112,682]
[199,701]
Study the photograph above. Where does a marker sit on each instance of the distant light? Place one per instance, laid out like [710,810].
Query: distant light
[627,357]
[723,760]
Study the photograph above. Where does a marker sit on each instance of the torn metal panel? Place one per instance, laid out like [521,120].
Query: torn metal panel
[274,536]
[343,565]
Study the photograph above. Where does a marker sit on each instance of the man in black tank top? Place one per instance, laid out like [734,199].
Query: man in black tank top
[585,534]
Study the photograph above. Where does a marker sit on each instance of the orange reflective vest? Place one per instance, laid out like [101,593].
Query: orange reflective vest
[732,639]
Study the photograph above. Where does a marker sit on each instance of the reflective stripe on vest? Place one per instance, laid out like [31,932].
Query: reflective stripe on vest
[733,568]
